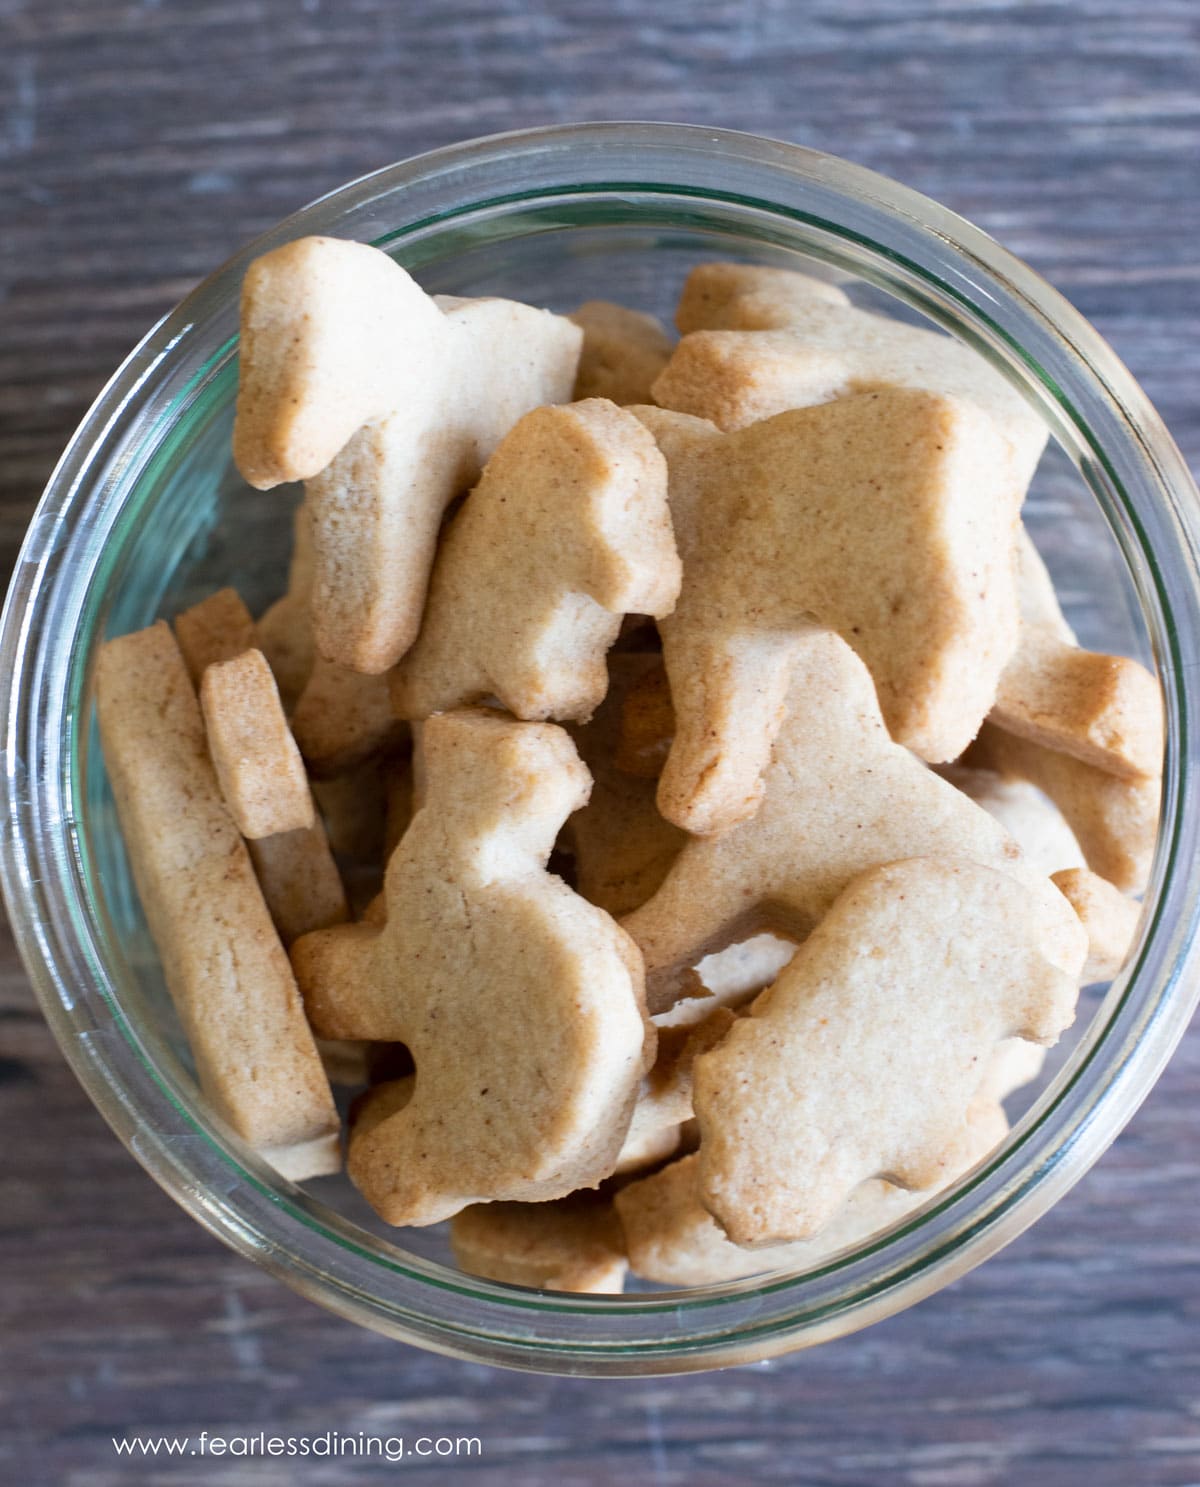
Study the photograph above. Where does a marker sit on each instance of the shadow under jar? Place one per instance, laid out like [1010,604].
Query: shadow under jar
[146,514]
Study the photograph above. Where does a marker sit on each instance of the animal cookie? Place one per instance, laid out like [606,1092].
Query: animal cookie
[1110,919]
[1114,819]
[839,797]
[673,1239]
[622,847]
[827,350]
[745,296]
[567,531]
[623,351]
[343,718]
[257,762]
[387,403]
[881,516]
[520,1002]
[1104,710]
[217,629]
[1032,820]
[300,880]
[863,1058]
[225,968]
[296,871]
[574,1244]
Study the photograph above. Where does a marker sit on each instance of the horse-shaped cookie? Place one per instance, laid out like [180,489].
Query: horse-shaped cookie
[388,403]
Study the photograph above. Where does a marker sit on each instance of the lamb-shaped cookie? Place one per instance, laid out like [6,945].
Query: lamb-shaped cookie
[1103,710]
[521,1003]
[825,349]
[839,797]
[879,516]
[745,296]
[863,1058]
[387,403]
[567,531]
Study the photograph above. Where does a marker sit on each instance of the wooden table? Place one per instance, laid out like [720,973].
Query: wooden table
[139,145]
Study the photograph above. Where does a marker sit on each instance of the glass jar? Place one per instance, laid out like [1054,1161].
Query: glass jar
[145,514]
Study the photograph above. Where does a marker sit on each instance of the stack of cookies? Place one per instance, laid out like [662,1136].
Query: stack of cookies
[668,789]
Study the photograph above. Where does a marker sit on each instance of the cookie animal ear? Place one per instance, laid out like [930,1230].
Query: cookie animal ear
[567,531]
[922,967]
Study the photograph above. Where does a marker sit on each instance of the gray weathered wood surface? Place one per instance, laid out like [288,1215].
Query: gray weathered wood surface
[139,145]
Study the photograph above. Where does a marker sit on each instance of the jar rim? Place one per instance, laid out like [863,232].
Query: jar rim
[1150,501]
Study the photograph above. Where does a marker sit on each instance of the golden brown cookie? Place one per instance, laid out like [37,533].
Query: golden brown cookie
[745,296]
[300,880]
[822,350]
[879,516]
[1114,820]
[863,1058]
[574,1244]
[217,629]
[1104,710]
[623,351]
[225,968]
[839,797]
[1110,919]
[673,1239]
[622,847]
[257,762]
[567,531]
[520,1002]
[388,403]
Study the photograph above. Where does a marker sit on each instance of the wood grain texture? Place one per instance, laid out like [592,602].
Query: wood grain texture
[139,145]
